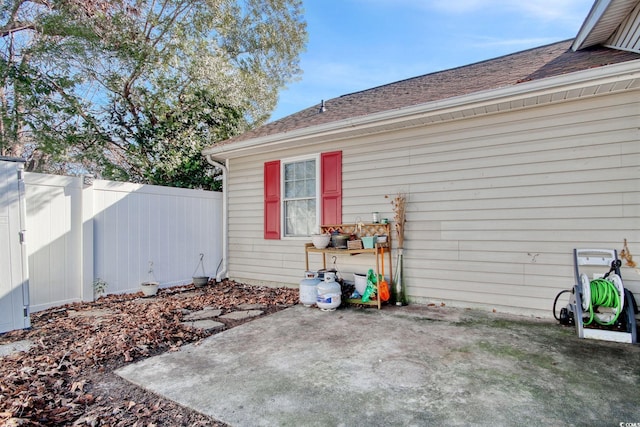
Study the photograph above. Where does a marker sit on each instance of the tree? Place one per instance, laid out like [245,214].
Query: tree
[38,103]
[134,90]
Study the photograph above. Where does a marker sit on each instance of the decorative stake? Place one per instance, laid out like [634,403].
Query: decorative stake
[399,208]
[399,204]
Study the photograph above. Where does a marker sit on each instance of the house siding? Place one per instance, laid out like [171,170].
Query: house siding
[627,35]
[496,203]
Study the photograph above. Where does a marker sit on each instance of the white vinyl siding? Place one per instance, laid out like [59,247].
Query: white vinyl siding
[496,203]
[627,35]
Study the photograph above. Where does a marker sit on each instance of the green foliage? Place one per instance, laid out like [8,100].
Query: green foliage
[134,90]
[156,159]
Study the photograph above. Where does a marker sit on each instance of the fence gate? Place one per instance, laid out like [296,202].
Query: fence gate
[14,282]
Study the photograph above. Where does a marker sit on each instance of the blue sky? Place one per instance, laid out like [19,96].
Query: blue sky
[359,44]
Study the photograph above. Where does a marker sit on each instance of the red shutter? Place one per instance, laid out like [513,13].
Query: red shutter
[331,187]
[272,200]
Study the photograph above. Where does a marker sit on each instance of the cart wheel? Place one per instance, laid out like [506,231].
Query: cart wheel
[632,324]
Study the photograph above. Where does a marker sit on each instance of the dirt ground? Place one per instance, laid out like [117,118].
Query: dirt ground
[66,377]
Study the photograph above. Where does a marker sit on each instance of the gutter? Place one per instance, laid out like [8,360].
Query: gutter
[222,274]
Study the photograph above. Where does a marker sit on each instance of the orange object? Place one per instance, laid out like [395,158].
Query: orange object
[383,286]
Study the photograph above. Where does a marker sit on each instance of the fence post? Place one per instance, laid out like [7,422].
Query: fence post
[87,261]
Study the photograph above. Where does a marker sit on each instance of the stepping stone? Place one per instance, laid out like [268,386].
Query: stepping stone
[185,294]
[206,313]
[256,306]
[96,312]
[14,347]
[241,315]
[206,324]
[144,300]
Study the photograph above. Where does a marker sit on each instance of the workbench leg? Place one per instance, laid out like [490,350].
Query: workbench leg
[390,266]
[378,276]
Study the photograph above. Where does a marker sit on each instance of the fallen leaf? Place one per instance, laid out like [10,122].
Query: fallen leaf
[78,385]
[52,380]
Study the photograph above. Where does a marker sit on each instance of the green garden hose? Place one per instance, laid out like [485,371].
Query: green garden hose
[604,293]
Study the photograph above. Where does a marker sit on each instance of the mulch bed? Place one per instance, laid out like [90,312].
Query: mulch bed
[67,377]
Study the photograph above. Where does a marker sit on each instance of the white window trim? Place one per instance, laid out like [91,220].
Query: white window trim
[283,162]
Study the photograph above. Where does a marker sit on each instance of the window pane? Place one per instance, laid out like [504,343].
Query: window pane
[288,171]
[300,170]
[288,225]
[300,217]
[299,189]
[310,169]
[288,191]
[310,187]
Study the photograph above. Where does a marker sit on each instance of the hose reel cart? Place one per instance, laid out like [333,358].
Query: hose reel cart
[601,308]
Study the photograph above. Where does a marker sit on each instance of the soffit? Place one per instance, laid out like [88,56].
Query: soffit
[627,36]
[603,20]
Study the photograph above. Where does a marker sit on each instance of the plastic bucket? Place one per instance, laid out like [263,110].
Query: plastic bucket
[360,280]
[368,242]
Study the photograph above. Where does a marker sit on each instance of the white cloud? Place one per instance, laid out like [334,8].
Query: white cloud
[546,10]
[553,9]
[485,42]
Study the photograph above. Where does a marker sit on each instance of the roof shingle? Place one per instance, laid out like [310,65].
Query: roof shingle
[533,64]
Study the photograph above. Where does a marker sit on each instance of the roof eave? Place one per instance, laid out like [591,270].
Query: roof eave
[610,78]
[595,15]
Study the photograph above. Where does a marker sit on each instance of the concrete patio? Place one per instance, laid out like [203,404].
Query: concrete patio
[400,366]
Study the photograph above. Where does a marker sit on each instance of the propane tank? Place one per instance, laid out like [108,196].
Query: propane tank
[329,293]
[309,289]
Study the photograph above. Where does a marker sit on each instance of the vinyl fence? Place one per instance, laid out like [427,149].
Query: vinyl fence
[80,230]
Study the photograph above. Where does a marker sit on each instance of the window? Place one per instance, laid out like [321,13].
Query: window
[299,187]
[302,190]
